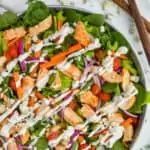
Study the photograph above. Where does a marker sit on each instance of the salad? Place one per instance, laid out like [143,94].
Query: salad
[67,81]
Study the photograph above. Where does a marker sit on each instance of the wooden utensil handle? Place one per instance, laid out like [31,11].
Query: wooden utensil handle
[124,5]
[141,27]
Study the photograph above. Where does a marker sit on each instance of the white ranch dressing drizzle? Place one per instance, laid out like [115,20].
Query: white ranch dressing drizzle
[91,46]
[9,111]
[64,136]
[65,31]
[41,83]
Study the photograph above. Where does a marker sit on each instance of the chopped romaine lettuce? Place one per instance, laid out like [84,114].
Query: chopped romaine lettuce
[42,143]
[128,64]
[119,146]
[66,82]
[142,98]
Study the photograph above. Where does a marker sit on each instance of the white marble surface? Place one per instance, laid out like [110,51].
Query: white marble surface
[122,22]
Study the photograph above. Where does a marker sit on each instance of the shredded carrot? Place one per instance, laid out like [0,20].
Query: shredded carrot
[127,122]
[10,43]
[38,95]
[37,54]
[18,88]
[60,24]
[61,56]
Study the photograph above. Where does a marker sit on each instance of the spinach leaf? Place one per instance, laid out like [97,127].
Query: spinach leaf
[7,19]
[95,19]
[119,146]
[72,15]
[42,143]
[142,98]
[66,82]
[117,36]
[35,13]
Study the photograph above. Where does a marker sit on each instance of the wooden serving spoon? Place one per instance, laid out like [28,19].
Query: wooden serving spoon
[141,27]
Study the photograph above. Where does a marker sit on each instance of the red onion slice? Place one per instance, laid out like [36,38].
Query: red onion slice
[73,139]
[35,60]
[128,113]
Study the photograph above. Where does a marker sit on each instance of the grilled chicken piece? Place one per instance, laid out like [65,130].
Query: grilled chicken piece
[128,133]
[60,147]
[25,137]
[112,77]
[11,34]
[12,146]
[42,78]
[87,111]
[57,82]
[125,78]
[89,98]
[27,85]
[116,117]
[2,62]
[73,72]
[81,35]
[41,27]
[128,104]
[2,108]
[71,117]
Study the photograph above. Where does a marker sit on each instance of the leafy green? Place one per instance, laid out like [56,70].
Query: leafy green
[69,41]
[47,91]
[111,88]
[3,44]
[72,15]
[60,16]
[142,98]
[90,54]
[111,46]
[119,146]
[93,30]
[117,36]
[35,13]
[104,38]
[5,87]
[42,143]
[51,79]
[75,146]
[87,85]
[37,128]
[66,82]
[128,64]
[79,62]
[95,19]
[7,19]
